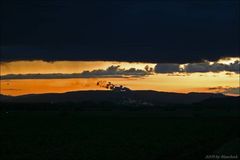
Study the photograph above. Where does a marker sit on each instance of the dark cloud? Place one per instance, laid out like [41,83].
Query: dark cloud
[215,67]
[110,72]
[174,31]
[167,68]
[197,67]
[202,67]
[116,71]
[232,90]
[216,88]
[226,90]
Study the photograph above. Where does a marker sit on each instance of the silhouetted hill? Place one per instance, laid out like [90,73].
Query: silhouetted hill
[5,98]
[142,96]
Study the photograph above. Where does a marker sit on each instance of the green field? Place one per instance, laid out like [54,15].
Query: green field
[112,136]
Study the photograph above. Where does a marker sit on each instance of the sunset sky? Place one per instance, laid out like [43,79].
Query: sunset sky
[56,46]
[28,77]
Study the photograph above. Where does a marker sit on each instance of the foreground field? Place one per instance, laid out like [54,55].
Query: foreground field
[113,136]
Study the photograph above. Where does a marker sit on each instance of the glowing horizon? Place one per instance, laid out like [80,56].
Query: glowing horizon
[167,82]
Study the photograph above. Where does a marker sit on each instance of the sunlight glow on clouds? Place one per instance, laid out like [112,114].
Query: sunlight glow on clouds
[32,77]
[64,67]
[230,65]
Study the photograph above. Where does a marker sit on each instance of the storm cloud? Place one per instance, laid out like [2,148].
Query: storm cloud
[175,31]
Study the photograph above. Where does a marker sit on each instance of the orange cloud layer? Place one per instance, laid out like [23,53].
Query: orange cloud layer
[191,83]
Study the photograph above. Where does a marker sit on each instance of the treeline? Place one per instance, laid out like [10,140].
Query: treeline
[229,103]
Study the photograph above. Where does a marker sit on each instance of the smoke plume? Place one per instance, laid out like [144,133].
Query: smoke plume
[111,86]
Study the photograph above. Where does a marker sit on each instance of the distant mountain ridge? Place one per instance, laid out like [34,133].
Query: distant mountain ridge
[148,96]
